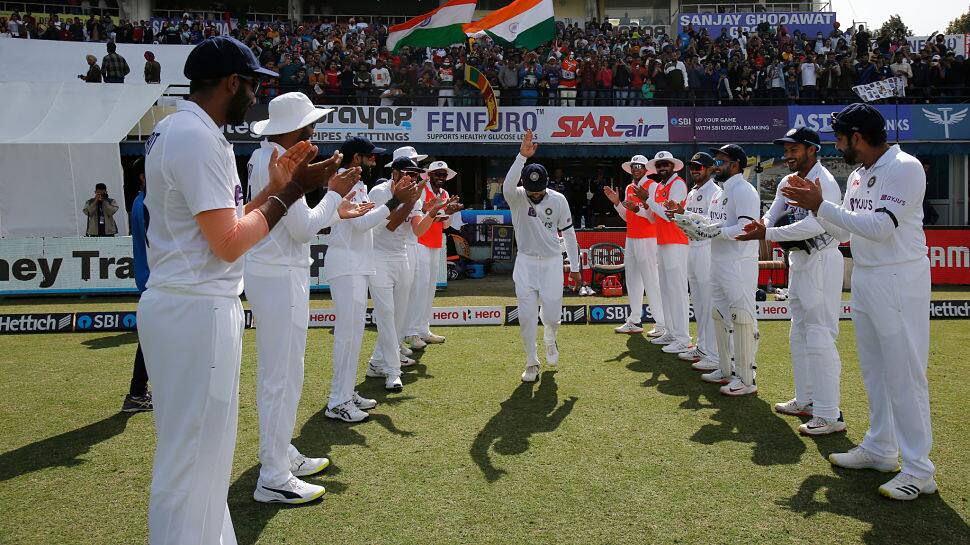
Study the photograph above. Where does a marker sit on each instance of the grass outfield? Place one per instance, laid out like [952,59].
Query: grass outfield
[622,445]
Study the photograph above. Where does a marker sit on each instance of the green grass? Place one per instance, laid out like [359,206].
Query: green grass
[622,445]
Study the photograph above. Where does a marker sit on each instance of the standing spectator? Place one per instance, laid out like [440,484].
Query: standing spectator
[362,84]
[865,71]
[100,211]
[900,67]
[508,81]
[114,67]
[847,80]
[587,83]
[791,85]
[604,85]
[153,70]
[743,92]
[621,83]
[809,75]
[446,79]
[828,77]
[380,77]
[345,82]
[94,73]
[551,75]
[862,41]
[567,80]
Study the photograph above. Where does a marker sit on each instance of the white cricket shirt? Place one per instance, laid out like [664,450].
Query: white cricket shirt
[391,245]
[806,226]
[699,202]
[536,226]
[351,242]
[732,207]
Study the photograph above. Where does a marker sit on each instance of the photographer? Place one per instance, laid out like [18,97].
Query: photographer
[100,211]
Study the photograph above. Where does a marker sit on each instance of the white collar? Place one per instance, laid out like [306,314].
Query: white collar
[189,106]
[734,180]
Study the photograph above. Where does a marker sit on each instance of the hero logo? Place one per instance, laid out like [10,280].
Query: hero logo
[575,126]
[35,323]
[949,256]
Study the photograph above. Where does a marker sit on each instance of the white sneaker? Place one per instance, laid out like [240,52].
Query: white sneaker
[664,339]
[793,408]
[416,342]
[656,332]
[407,362]
[531,373]
[907,487]
[293,491]
[694,354]
[737,387]
[405,351]
[705,365]
[552,355]
[822,426]
[363,403]
[346,411]
[860,458]
[677,348]
[302,465]
[629,328]
[374,370]
[431,338]
[716,376]
[393,383]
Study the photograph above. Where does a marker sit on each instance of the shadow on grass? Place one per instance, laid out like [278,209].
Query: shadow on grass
[746,419]
[525,413]
[60,450]
[130,337]
[853,493]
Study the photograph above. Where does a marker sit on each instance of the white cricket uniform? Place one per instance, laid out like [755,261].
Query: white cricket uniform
[699,271]
[641,270]
[882,210]
[734,266]
[672,256]
[815,291]
[348,264]
[426,262]
[390,287]
[538,271]
[190,326]
[277,287]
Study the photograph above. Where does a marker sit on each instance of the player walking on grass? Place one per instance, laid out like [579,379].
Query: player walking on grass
[882,211]
[815,286]
[539,214]
[640,250]
[277,280]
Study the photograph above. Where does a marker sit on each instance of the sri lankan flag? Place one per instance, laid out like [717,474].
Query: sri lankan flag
[478,79]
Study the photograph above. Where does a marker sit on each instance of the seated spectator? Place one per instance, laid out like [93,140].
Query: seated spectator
[94,72]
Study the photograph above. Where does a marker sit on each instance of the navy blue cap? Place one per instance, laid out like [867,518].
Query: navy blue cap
[734,152]
[801,135]
[858,117]
[534,177]
[359,144]
[406,164]
[221,56]
[702,159]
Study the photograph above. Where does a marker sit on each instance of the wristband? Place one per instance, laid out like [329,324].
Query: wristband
[281,203]
[393,203]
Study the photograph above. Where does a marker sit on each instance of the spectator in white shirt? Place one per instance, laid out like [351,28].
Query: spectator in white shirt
[808,70]
[380,77]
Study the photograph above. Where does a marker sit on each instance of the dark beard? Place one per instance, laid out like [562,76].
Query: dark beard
[718,176]
[536,201]
[849,156]
[238,106]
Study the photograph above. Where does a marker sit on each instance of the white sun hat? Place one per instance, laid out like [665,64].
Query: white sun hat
[636,160]
[287,113]
[665,156]
[409,152]
[441,165]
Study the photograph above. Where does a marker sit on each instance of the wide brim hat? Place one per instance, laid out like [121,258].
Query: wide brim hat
[287,113]
[409,152]
[441,165]
[665,156]
[636,159]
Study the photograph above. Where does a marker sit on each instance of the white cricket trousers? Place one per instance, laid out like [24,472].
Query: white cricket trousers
[815,292]
[390,289]
[673,290]
[892,330]
[422,294]
[538,290]
[640,267]
[192,346]
[279,297]
[733,283]
[349,294]
[699,280]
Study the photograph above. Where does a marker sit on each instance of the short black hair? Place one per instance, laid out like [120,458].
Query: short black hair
[874,138]
[100,185]
[112,47]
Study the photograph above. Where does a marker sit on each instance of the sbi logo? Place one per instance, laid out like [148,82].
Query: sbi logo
[597,313]
[130,321]
[679,121]
[84,322]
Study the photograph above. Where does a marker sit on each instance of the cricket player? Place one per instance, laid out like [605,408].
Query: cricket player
[882,210]
[348,264]
[734,270]
[390,287]
[671,250]
[538,215]
[815,286]
[190,319]
[704,354]
[640,250]
[277,276]
[427,258]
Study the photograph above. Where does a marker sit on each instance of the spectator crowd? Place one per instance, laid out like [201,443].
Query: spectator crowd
[345,61]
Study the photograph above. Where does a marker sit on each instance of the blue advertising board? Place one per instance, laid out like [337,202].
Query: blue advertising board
[807,22]
[914,122]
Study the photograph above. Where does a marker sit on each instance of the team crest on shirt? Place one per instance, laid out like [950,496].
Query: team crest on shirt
[532,212]
[724,202]
[871,182]
[239,195]
[699,197]
[548,211]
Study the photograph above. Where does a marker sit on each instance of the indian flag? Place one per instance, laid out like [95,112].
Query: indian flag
[523,23]
[437,28]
